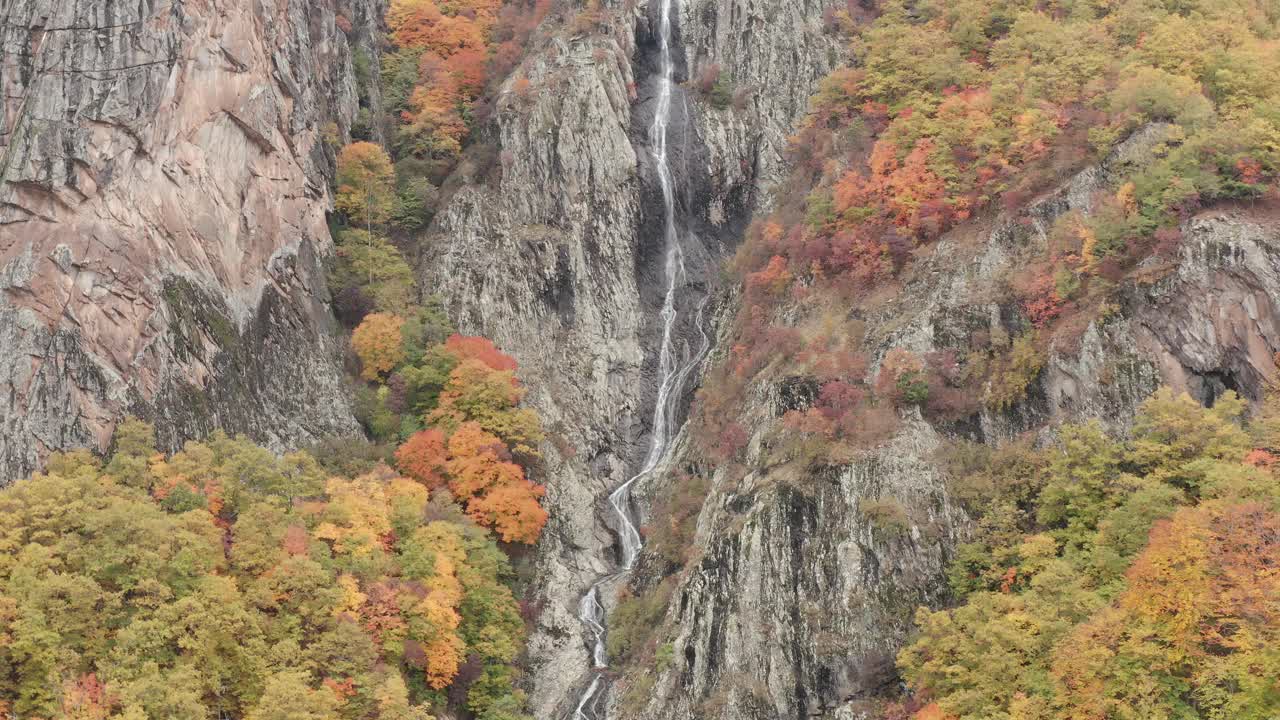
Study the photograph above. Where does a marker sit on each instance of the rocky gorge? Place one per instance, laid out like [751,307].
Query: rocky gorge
[589,243]
[165,177]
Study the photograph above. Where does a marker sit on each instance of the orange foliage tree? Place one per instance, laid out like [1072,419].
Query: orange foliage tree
[422,23]
[479,348]
[1200,611]
[472,433]
[475,427]
[494,489]
[422,457]
[433,125]
[86,698]
[931,712]
[453,39]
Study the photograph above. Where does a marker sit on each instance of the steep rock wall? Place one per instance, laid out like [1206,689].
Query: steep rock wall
[544,263]
[556,256]
[163,188]
[770,55]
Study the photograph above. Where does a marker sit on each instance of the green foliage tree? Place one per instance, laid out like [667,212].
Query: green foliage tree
[367,261]
[289,696]
[265,592]
[1081,485]
[415,204]
[135,443]
[490,398]
[1175,439]
[1092,602]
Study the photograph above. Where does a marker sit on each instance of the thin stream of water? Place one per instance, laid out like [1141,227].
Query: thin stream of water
[674,368]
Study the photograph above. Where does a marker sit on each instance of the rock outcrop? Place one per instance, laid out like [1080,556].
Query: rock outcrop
[163,192]
[769,56]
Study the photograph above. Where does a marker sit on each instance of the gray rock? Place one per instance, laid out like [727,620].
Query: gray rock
[554,254]
[799,604]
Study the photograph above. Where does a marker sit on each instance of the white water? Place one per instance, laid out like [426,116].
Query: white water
[673,370]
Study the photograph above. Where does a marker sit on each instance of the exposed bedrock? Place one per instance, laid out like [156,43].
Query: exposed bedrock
[800,601]
[163,187]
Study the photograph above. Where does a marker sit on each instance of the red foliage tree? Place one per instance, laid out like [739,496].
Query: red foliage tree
[1041,301]
[468,68]
[772,280]
[837,398]
[482,349]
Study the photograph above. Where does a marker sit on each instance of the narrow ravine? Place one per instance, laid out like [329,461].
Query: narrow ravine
[676,361]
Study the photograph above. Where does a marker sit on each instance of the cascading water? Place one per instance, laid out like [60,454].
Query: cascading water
[673,369]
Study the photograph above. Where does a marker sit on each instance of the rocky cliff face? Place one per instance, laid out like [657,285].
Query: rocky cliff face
[800,601]
[163,189]
[559,260]
[544,263]
[770,55]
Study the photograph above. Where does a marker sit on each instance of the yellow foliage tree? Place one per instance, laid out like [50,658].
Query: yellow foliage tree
[366,184]
[379,344]
[478,393]
[355,519]
[439,609]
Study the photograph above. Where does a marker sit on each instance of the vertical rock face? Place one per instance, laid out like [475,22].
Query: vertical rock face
[797,601]
[770,55]
[556,255]
[544,262]
[162,214]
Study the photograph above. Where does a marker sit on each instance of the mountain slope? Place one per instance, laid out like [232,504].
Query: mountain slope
[991,229]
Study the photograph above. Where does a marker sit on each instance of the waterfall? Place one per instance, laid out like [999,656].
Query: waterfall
[673,368]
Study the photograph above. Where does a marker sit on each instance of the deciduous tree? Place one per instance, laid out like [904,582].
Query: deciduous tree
[490,398]
[379,344]
[366,184]
[495,490]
